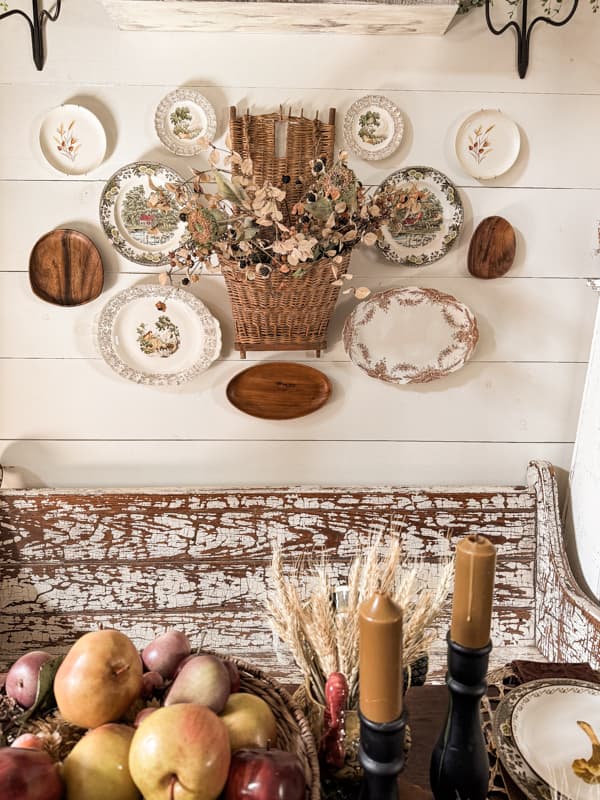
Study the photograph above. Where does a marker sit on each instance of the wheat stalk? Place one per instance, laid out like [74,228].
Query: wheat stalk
[322,639]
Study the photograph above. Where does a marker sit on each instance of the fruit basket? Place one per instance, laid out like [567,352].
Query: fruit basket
[59,737]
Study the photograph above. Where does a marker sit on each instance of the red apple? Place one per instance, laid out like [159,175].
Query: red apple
[141,715]
[23,677]
[28,775]
[265,775]
[29,741]
[151,681]
[165,652]
[234,675]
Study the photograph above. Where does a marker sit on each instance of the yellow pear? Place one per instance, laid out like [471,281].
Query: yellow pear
[250,722]
[99,679]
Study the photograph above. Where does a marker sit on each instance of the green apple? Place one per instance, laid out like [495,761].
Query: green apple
[99,679]
[180,752]
[97,768]
[250,722]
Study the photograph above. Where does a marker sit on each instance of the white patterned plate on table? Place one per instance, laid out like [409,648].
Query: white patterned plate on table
[140,213]
[182,118]
[487,144]
[72,140]
[373,127]
[428,217]
[158,335]
[538,737]
[410,335]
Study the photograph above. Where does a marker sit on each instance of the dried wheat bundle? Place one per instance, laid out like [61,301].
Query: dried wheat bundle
[322,633]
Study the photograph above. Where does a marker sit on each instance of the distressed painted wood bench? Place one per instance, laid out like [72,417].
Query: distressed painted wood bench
[144,560]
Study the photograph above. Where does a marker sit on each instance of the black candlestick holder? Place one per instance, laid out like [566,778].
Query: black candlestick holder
[381,755]
[36,27]
[459,763]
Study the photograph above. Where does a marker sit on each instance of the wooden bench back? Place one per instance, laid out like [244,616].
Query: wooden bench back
[143,561]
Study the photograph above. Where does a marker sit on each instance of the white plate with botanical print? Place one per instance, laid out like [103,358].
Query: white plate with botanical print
[410,335]
[487,144]
[373,127]
[158,335]
[139,211]
[427,220]
[182,119]
[545,734]
[72,140]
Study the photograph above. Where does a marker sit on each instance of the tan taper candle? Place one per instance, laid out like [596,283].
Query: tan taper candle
[473,591]
[380,663]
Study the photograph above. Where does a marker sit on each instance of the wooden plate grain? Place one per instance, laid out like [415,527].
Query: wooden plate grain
[65,268]
[492,248]
[279,390]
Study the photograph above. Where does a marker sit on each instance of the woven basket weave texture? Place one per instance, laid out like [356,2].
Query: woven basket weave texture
[282,312]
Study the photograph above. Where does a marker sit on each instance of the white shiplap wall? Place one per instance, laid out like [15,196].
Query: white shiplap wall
[66,420]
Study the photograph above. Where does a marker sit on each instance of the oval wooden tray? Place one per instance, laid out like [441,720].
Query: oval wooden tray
[65,268]
[279,390]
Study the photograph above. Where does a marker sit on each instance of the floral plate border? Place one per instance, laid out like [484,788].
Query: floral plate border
[107,212]
[106,323]
[161,124]
[449,193]
[530,783]
[465,337]
[366,102]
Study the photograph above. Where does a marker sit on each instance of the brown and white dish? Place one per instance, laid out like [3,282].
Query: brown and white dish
[540,738]
[183,119]
[410,335]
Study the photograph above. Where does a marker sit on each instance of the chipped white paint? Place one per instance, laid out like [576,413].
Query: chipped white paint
[430,17]
[198,559]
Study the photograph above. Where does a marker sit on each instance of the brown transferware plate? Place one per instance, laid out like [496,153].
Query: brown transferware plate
[279,390]
[65,268]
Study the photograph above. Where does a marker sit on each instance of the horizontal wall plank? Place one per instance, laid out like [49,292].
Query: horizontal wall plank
[241,635]
[481,402]
[519,320]
[556,230]
[466,58]
[233,463]
[129,117]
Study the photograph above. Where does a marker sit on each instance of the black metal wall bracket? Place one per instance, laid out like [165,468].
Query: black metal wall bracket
[36,25]
[524,30]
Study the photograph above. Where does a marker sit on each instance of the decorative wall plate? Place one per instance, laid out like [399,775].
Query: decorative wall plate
[72,140]
[410,335]
[428,219]
[373,127]
[539,739]
[65,268]
[140,213]
[487,144]
[158,335]
[182,118]
[492,248]
[279,390]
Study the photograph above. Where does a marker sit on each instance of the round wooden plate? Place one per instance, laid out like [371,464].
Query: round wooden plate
[492,248]
[65,268]
[279,390]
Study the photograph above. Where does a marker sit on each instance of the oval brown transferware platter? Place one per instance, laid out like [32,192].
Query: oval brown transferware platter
[65,268]
[279,390]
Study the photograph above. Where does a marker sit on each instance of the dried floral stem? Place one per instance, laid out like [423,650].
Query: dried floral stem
[323,639]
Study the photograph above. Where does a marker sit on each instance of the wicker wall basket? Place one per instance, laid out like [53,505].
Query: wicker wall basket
[280,144]
[282,312]
[293,730]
